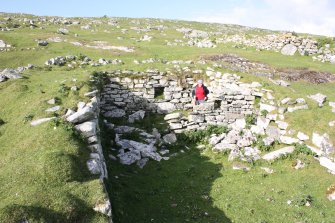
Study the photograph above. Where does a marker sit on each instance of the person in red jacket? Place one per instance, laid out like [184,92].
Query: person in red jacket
[200,93]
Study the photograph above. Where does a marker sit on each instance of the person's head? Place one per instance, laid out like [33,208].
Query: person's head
[200,82]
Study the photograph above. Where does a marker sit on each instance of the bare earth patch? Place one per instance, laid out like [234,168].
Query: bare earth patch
[241,64]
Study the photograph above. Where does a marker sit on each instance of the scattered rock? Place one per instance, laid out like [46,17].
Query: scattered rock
[319,98]
[93,166]
[53,109]
[42,42]
[104,208]
[87,129]
[326,162]
[139,115]
[323,142]
[82,115]
[170,138]
[289,50]
[278,153]
[63,31]
[9,74]
[172,116]
[298,164]
[303,137]
[299,107]
[288,140]
[267,170]
[40,121]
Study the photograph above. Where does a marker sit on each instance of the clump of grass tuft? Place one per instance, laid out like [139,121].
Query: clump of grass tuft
[28,118]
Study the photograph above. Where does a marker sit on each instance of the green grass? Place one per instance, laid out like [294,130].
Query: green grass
[43,176]
[201,186]
[43,169]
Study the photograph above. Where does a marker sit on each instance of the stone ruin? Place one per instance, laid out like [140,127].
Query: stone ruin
[229,99]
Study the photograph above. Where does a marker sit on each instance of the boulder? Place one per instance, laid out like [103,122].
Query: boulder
[170,138]
[196,118]
[63,31]
[319,98]
[87,129]
[104,208]
[273,132]
[289,50]
[82,115]
[93,166]
[278,153]
[174,126]
[139,115]
[266,107]
[10,74]
[165,107]
[262,122]
[323,142]
[172,116]
[129,157]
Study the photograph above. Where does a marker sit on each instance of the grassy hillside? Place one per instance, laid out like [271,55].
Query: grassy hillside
[43,174]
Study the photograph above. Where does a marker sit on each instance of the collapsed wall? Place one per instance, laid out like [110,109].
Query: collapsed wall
[229,99]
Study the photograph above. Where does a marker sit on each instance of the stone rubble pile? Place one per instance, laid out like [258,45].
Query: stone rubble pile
[4,46]
[73,61]
[287,44]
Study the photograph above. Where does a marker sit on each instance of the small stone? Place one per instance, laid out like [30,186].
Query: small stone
[53,109]
[288,140]
[331,193]
[267,170]
[282,125]
[40,121]
[331,124]
[52,101]
[298,164]
[303,137]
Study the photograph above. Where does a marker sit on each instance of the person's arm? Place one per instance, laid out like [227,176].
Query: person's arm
[206,92]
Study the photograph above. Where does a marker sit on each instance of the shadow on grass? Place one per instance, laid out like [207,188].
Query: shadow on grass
[176,190]
[76,209]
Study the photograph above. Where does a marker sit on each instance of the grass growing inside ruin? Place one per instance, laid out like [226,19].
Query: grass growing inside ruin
[201,186]
[43,173]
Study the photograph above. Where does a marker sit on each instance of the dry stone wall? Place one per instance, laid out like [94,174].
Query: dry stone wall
[229,99]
